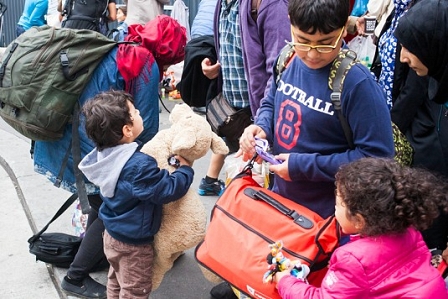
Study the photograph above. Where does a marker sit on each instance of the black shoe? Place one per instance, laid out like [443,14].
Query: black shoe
[222,291]
[90,288]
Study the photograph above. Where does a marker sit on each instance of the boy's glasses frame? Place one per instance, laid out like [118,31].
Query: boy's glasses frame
[324,49]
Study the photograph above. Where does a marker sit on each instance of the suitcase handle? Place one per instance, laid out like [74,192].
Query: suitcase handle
[298,219]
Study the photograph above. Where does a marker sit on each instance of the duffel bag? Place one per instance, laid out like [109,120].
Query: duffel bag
[246,219]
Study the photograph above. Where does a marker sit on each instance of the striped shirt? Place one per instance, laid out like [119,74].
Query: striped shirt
[234,86]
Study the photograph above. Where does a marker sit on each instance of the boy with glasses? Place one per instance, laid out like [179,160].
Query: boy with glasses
[299,120]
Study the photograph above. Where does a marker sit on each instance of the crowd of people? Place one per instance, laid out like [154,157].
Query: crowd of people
[394,218]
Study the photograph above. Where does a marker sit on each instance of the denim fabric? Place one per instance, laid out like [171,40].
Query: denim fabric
[19,30]
[131,267]
[48,155]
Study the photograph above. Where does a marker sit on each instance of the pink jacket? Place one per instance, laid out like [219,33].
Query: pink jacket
[395,266]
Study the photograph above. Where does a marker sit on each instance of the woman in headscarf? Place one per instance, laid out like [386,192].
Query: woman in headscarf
[423,34]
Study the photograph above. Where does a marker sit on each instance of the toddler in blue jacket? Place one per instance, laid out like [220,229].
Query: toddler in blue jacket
[133,189]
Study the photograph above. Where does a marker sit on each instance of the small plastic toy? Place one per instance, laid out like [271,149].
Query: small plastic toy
[278,262]
[262,147]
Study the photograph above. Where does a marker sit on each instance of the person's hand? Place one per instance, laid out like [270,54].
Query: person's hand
[281,169]
[360,26]
[445,255]
[209,69]
[280,275]
[183,161]
[247,141]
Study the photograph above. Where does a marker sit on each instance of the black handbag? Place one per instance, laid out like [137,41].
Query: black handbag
[225,120]
[58,249]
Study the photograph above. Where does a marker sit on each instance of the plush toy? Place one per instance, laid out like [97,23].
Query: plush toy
[184,221]
[278,262]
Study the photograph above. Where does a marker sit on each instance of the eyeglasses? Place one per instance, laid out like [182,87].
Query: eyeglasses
[324,49]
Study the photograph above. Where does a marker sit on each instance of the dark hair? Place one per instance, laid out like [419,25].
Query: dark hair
[105,116]
[324,16]
[390,197]
[123,9]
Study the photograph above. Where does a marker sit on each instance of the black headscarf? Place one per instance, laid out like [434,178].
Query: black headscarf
[423,30]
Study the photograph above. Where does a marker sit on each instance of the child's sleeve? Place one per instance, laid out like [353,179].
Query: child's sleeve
[345,279]
[158,185]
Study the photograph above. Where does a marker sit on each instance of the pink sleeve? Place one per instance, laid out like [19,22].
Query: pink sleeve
[345,279]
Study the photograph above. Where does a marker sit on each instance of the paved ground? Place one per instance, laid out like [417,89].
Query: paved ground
[29,200]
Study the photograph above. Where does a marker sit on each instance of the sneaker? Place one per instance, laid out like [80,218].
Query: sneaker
[215,188]
[90,288]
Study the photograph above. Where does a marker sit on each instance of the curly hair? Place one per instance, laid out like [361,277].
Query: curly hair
[105,116]
[390,197]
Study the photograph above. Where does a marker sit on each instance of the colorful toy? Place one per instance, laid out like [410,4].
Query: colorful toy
[278,262]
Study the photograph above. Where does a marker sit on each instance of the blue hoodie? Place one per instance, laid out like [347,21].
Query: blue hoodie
[133,189]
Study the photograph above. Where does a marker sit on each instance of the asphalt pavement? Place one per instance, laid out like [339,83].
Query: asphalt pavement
[29,200]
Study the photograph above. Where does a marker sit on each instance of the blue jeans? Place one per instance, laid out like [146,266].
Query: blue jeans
[19,30]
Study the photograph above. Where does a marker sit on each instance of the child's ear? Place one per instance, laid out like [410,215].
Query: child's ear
[127,131]
[359,222]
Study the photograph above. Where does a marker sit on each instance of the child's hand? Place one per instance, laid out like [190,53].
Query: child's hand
[183,161]
[280,275]
[247,142]
[281,169]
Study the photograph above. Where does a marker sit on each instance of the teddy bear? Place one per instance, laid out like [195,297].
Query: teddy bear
[184,221]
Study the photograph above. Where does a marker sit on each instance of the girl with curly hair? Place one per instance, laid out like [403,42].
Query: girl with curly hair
[382,206]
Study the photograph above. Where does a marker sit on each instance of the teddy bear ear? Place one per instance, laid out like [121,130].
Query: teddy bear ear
[218,146]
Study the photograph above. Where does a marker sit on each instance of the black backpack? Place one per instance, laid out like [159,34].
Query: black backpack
[91,13]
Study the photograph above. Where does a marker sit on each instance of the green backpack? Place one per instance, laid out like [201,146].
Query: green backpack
[340,67]
[42,74]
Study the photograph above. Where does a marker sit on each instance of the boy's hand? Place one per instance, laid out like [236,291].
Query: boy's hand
[209,69]
[183,161]
[247,141]
[281,169]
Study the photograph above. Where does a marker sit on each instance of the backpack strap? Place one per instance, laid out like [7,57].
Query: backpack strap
[284,58]
[339,69]
[61,210]
[5,62]
[76,153]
